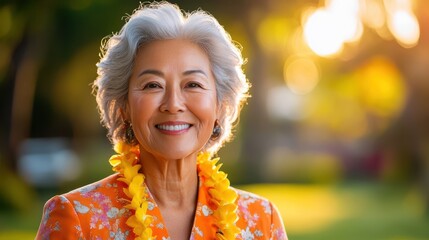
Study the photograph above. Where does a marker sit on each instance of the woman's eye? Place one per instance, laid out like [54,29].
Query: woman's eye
[151,86]
[194,85]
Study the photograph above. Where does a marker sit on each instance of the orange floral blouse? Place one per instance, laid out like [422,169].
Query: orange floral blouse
[96,211]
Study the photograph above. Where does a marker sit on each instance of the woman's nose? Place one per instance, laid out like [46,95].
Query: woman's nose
[173,101]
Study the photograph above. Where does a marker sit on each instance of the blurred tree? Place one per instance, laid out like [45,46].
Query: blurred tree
[26,36]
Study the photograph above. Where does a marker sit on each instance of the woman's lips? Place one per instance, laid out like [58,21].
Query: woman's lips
[173,128]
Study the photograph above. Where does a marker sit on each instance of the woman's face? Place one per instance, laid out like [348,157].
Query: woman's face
[172,98]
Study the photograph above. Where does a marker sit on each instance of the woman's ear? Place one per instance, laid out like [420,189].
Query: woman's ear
[124,113]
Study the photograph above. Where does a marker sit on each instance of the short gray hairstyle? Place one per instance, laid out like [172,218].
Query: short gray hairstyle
[163,21]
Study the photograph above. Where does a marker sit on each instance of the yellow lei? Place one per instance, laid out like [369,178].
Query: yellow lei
[127,164]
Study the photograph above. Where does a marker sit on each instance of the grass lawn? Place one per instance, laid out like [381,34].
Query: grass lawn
[347,211]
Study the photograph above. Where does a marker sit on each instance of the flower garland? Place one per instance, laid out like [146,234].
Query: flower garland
[222,196]
[126,163]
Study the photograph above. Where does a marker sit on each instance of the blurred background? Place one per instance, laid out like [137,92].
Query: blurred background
[336,132]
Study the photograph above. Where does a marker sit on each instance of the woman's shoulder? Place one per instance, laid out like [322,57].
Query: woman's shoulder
[108,183]
[258,217]
[251,201]
[96,208]
[107,190]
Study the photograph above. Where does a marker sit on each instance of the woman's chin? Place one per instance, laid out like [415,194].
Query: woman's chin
[175,153]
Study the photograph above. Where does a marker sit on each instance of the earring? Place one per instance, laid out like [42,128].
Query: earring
[217,130]
[129,133]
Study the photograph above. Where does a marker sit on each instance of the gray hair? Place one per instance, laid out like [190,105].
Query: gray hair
[162,21]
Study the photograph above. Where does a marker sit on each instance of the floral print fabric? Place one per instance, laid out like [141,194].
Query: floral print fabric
[97,211]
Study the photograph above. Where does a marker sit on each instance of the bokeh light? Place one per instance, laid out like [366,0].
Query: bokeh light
[283,104]
[327,29]
[301,75]
[338,22]
[272,33]
[405,27]
[381,86]
[373,14]
[346,14]
[359,103]
[320,33]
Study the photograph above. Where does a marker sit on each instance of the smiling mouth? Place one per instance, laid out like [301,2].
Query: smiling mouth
[175,127]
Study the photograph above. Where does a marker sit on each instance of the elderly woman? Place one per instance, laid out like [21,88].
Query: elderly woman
[170,86]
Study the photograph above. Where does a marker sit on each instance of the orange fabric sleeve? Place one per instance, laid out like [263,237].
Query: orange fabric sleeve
[59,221]
[277,226]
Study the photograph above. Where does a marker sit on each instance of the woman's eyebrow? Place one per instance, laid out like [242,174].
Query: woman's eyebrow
[152,72]
[160,74]
[196,71]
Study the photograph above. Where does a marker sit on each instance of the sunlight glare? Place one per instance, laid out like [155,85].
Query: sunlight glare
[321,33]
[346,13]
[327,29]
[405,28]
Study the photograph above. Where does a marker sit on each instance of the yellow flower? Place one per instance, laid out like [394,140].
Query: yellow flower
[220,236]
[132,222]
[141,216]
[229,196]
[125,163]
[220,177]
[121,147]
[115,160]
[131,172]
[147,234]
[206,167]
[221,195]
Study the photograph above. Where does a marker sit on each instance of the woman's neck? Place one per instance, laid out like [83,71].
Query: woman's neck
[172,183]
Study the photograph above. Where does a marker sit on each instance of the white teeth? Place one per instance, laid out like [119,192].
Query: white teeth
[173,127]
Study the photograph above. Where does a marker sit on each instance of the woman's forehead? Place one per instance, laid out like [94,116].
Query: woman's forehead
[179,54]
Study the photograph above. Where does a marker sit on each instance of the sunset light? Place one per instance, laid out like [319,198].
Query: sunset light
[405,27]
[327,29]
[320,33]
